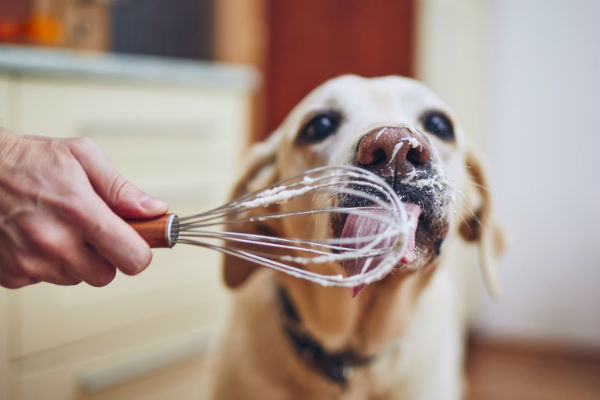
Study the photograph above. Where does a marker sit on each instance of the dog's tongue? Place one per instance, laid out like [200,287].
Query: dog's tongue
[358,226]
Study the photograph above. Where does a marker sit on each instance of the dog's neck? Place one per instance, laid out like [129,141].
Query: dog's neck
[364,325]
[335,366]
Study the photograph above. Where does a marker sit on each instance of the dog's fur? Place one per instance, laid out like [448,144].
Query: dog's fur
[412,322]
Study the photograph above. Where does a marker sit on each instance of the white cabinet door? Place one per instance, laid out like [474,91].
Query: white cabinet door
[6,107]
[6,87]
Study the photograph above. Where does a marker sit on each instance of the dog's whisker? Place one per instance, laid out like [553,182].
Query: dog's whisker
[467,209]
[470,181]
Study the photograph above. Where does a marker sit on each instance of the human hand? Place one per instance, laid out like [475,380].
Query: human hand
[61,210]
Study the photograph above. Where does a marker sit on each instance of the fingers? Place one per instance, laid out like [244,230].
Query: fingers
[83,265]
[113,238]
[73,263]
[76,264]
[11,281]
[29,258]
[88,266]
[121,195]
[104,230]
[54,253]
[47,271]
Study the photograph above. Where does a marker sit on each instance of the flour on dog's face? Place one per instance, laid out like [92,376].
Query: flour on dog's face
[351,107]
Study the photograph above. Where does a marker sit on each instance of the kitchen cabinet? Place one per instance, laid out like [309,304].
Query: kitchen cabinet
[179,141]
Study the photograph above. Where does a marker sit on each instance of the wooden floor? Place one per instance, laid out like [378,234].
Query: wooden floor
[497,371]
[520,371]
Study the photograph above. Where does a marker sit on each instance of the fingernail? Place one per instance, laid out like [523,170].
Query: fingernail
[150,204]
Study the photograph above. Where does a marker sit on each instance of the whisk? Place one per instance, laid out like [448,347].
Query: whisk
[313,206]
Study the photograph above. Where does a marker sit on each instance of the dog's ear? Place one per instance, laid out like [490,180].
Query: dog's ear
[479,225]
[260,170]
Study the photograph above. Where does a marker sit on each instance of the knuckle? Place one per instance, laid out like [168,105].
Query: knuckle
[120,188]
[49,240]
[73,204]
[84,144]
[11,283]
[66,278]
[72,282]
[104,278]
[56,145]
[24,266]
[75,209]
[93,227]
[40,242]
[6,282]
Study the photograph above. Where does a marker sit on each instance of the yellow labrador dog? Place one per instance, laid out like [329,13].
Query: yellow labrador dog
[401,337]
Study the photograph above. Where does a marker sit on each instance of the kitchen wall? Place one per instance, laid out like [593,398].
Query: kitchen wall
[524,77]
[543,142]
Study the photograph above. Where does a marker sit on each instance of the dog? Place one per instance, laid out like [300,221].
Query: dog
[401,337]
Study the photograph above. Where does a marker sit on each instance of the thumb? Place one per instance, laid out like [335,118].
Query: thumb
[122,196]
[127,200]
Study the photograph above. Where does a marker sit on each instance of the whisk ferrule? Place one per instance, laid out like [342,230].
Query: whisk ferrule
[172,230]
[158,232]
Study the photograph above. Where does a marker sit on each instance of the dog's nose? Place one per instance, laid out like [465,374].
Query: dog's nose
[391,150]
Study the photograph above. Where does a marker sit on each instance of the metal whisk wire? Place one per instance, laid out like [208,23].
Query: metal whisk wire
[329,184]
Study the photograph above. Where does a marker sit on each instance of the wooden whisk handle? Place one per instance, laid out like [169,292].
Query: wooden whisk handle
[160,231]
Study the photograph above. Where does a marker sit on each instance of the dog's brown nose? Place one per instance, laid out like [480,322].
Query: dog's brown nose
[391,150]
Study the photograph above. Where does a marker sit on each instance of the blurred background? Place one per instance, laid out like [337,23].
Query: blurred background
[171,88]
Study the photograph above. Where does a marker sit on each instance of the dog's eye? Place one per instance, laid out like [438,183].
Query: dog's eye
[319,128]
[439,124]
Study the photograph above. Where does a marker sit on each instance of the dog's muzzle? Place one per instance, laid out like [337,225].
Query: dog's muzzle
[403,157]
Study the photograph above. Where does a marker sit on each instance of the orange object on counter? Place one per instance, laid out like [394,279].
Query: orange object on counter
[10,31]
[44,30]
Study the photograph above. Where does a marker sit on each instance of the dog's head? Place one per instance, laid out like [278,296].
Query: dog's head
[394,127]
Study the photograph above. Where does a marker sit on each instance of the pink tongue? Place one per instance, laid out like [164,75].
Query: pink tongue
[358,226]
